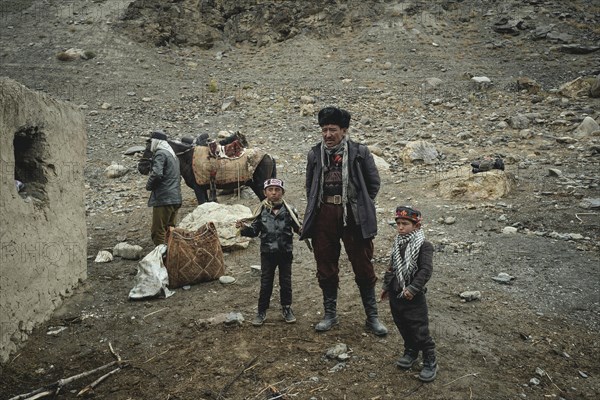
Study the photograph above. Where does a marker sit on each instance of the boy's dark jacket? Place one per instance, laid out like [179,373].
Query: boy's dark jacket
[276,230]
[417,283]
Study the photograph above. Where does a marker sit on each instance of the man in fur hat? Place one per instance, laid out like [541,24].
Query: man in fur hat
[164,183]
[341,184]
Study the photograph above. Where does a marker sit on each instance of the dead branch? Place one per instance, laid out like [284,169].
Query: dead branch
[97,382]
[154,312]
[235,378]
[464,376]
[56,386]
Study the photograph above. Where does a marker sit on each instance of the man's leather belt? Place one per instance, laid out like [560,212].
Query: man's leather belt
[337,199]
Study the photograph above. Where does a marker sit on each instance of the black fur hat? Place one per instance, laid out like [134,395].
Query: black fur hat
[158,135]
[334,116]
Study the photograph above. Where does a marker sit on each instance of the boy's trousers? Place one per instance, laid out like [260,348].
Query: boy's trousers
[411,318]
[268,264]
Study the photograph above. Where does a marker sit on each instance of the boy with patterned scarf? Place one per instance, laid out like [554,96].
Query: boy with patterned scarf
[404,284]
[276,221]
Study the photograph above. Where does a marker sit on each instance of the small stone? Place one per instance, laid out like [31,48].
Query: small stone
[103,256]
[583,374]
[534,381]
[226,280]
[540,372]
[234,318]
[335,351]
[471,295]
[449,220]
[255,270]
[554,172]
[509,230]
[503,277]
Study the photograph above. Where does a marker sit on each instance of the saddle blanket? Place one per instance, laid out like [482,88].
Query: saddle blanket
[224,170]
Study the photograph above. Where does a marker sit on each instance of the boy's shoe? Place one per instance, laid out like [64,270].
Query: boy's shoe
[288,314]
[429,370]
[259,319]
[408,359]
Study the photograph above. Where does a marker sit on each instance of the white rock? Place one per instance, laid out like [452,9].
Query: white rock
[103,256]
[481,79]
[128,251]
[255,270]
[471,295]
[224,217]
[115,171]
[226,280]
[381,164]
[587,127]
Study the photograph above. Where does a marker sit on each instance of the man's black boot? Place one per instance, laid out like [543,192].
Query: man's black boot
[370,303]
[429,370]
[330,305]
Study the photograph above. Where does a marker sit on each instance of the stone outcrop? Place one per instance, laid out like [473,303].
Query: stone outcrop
[43,231]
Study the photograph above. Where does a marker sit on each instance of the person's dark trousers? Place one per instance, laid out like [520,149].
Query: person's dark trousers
[329,229]
[411,318]
[162,218]
[268,264]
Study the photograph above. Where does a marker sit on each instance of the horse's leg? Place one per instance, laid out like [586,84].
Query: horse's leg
[264,170]
[200,192]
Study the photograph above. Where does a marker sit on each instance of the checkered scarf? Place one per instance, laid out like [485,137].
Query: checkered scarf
[405,267]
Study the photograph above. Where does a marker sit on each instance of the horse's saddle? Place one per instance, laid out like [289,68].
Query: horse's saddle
[208,168]
[231,150]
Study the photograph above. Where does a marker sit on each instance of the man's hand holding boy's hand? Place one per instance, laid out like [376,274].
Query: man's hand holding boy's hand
[239,223]
[384,295]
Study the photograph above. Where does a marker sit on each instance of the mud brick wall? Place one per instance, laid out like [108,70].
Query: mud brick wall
[42,227]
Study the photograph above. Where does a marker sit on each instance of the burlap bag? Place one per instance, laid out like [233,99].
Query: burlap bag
[194,257]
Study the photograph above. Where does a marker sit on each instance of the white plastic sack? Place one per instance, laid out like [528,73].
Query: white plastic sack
[152,277]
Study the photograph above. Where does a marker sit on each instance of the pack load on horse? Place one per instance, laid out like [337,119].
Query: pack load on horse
[227,164]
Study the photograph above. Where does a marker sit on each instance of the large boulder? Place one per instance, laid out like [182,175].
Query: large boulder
[463,184]
[224,217]
[419,151]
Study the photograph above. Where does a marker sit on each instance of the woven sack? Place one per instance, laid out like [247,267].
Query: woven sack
[194,257]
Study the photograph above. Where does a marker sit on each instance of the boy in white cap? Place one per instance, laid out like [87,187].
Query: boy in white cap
[411,266]
[275,221]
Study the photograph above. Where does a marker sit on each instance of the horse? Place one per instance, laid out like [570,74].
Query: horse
[264,170]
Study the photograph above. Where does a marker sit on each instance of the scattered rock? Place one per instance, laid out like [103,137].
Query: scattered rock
[588,127]
[337,350]
[224,217]
[134,149]
[115,171]
[504,278]
[103,256]
[227,280]
[128,251]
[590,203]
[471,295]
[234,319]
[554,172]
[419,152]
[255,270]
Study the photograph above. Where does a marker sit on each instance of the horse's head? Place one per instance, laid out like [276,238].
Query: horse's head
[145,162]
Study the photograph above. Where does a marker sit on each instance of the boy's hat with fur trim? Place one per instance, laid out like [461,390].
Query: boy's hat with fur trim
[274,182]
[409,213]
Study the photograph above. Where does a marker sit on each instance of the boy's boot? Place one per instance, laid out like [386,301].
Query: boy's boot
[370,303]
[260,318]
[330,305]
[288,314]
[408,359]
[429,370]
